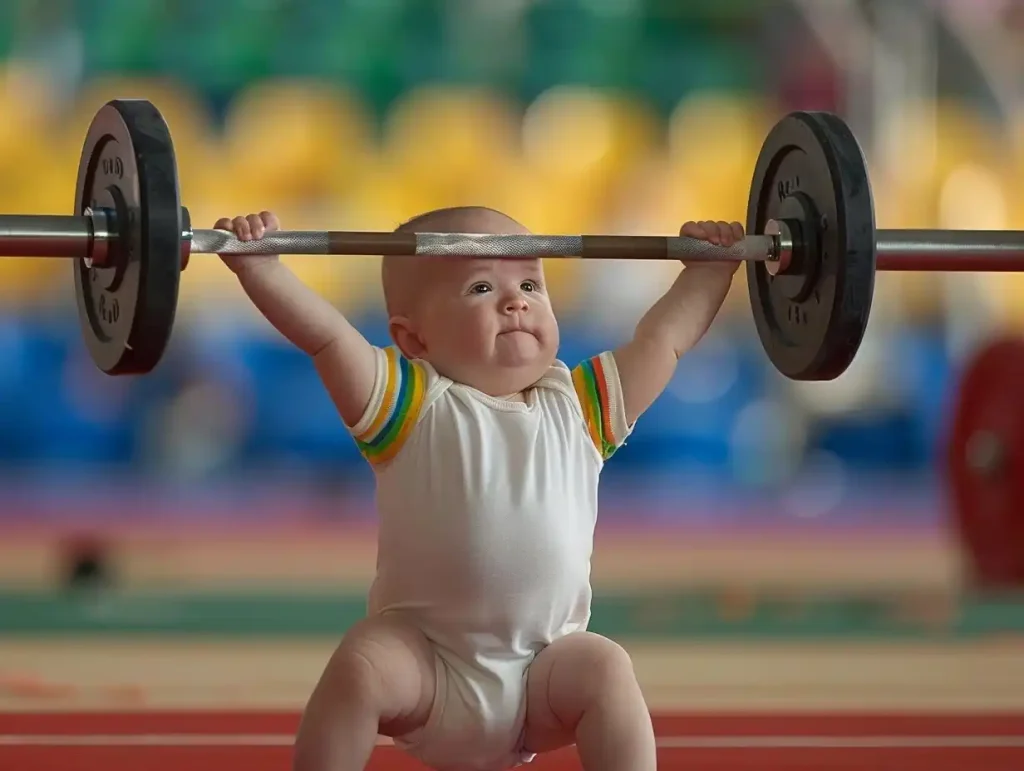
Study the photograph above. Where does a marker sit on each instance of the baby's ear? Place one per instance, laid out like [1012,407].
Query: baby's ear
[404,333]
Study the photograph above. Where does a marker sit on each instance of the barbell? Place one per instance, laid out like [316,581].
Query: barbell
[812,248]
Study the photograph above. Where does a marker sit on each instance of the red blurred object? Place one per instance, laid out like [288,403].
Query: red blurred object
[986,464]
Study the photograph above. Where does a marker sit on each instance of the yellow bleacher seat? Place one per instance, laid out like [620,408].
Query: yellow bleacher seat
[27,103]
[655,200]
[973,197]
[588,139]
[989,198]
[182,108]
[296,140]
[713,143]
[24,282]
[450,139]
[1010,298]
[32,185]
[1015,165]
[384,197]
[922,144]
[1014,168]
[899,204]
[31,173]
[28,163]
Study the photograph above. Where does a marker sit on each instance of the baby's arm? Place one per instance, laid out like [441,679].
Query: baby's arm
[676,322]
[344,359]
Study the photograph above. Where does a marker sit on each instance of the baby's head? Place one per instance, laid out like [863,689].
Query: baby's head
[487,323]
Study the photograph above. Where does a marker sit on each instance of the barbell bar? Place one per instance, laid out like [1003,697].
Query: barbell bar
[811,250]
[91,237]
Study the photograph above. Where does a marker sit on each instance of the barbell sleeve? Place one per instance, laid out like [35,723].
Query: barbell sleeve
[982,251]
[45,235]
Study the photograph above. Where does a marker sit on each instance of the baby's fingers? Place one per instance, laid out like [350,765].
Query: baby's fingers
[256,225]
[726,236]
[241,229]
[692,230]
[711,231]
[270,221]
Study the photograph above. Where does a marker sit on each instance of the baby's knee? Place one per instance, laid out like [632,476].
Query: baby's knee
[605,666]
[607,661]
[382,666]
[356,672]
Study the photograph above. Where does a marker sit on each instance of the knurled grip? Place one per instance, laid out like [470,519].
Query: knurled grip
[503,246]
[696,250]
[277,242]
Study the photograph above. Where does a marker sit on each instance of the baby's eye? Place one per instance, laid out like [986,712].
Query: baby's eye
[480,288]
[528,286]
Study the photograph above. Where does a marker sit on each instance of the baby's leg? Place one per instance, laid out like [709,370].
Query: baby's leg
[582,688]
[381,679]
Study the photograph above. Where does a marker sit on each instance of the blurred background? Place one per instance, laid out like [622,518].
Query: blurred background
[573,116]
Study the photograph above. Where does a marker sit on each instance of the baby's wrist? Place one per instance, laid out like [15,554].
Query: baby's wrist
[726,266]
[242,266]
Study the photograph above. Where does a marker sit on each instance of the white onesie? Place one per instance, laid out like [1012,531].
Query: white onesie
[487,510]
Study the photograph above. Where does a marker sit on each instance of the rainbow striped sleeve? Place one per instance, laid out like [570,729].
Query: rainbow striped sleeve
[398,394]
[597,385]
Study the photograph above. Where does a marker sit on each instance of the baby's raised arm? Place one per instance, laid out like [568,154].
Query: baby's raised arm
[676,322]
[344,358]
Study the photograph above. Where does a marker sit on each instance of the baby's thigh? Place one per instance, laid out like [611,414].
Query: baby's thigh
[569,677]
[385,665]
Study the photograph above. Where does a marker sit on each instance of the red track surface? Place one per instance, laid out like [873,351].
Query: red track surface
[259,741]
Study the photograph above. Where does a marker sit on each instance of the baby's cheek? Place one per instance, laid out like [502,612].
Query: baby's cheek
[464,327]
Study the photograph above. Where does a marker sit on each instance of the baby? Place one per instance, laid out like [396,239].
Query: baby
[487,450]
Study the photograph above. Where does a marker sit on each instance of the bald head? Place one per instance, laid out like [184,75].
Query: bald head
[403,276]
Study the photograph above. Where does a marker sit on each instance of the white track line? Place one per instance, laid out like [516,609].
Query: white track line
[668,742]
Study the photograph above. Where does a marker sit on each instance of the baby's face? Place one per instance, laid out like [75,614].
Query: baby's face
[487,323]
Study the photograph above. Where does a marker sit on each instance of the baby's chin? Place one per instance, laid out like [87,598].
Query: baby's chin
[503,374]
[520,350]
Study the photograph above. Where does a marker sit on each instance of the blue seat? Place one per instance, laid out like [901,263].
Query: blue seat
[924,360]
[294,421]
[903,437]
[875,441]
[14,359]
[60,410]
[689,427]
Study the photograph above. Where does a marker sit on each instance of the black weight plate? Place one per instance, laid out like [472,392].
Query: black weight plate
[985,464]
[126,308]
[812,324]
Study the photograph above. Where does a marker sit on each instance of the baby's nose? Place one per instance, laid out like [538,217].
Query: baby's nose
[516,304]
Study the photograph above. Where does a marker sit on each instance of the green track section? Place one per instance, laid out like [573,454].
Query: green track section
[693,614]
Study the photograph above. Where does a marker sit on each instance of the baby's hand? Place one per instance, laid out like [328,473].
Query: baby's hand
[252,227]
[720,233]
